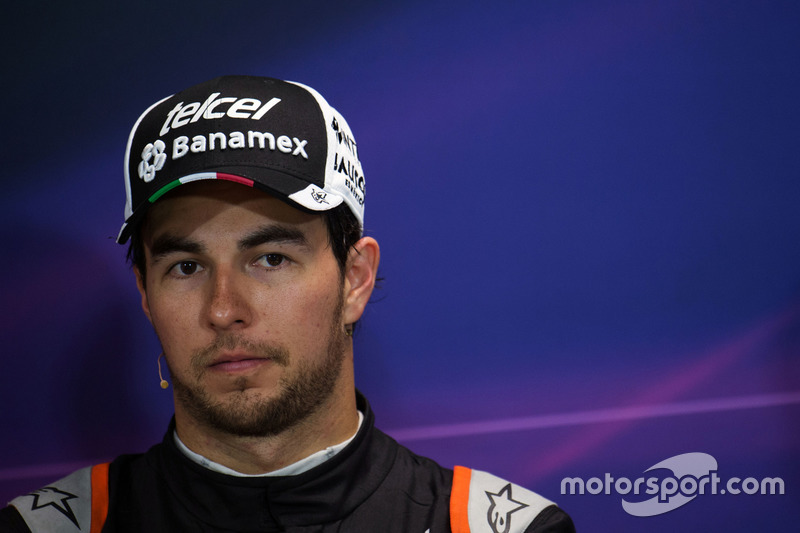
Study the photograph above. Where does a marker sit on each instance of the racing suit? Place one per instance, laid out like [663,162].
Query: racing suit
[372,485]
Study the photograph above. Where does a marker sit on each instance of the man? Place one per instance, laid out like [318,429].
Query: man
[245,205]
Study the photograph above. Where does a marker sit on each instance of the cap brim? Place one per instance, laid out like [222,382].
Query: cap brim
[297,192]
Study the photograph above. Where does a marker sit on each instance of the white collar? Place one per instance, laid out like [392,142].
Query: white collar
[303,465]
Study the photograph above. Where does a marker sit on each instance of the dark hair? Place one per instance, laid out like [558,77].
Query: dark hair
[343,233]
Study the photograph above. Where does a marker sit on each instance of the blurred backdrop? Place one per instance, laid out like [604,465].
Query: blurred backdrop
[588,214]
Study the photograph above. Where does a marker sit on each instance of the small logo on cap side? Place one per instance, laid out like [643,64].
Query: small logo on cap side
[319,196]
[153,159]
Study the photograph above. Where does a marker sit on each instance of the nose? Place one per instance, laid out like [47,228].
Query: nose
[228,306]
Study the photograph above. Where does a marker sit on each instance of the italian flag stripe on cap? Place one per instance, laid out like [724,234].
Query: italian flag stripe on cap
[197,177]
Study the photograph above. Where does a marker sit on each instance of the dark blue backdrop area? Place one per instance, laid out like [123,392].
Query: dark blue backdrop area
[588,213]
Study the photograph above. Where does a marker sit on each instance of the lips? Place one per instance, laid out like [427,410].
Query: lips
[237,363]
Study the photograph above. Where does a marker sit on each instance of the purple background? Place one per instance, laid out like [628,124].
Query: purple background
[588,214]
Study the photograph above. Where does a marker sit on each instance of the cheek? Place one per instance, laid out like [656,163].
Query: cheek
[305,313]
[174,320]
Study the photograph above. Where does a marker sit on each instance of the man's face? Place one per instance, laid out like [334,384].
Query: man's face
[246,298]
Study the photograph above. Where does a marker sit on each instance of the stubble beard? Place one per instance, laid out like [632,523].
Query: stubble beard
[245,414]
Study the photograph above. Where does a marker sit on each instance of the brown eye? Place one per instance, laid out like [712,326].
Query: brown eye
[186,268]
[272,260]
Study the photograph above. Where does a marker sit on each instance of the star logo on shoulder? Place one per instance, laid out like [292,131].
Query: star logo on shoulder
[55,498]
[503,504]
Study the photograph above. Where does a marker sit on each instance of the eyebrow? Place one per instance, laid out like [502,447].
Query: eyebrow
[167,244]
[273,234]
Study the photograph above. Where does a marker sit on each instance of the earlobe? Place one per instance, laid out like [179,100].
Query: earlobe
[143,292]
[362,268]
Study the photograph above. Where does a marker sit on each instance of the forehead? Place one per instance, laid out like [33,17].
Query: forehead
[214,207]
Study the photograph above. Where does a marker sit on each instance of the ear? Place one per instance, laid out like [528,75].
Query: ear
[362,267]
[143,293]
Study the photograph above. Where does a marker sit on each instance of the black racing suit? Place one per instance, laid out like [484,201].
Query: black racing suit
[372,485]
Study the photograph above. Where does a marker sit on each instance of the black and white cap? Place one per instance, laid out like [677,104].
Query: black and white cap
[278,136]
